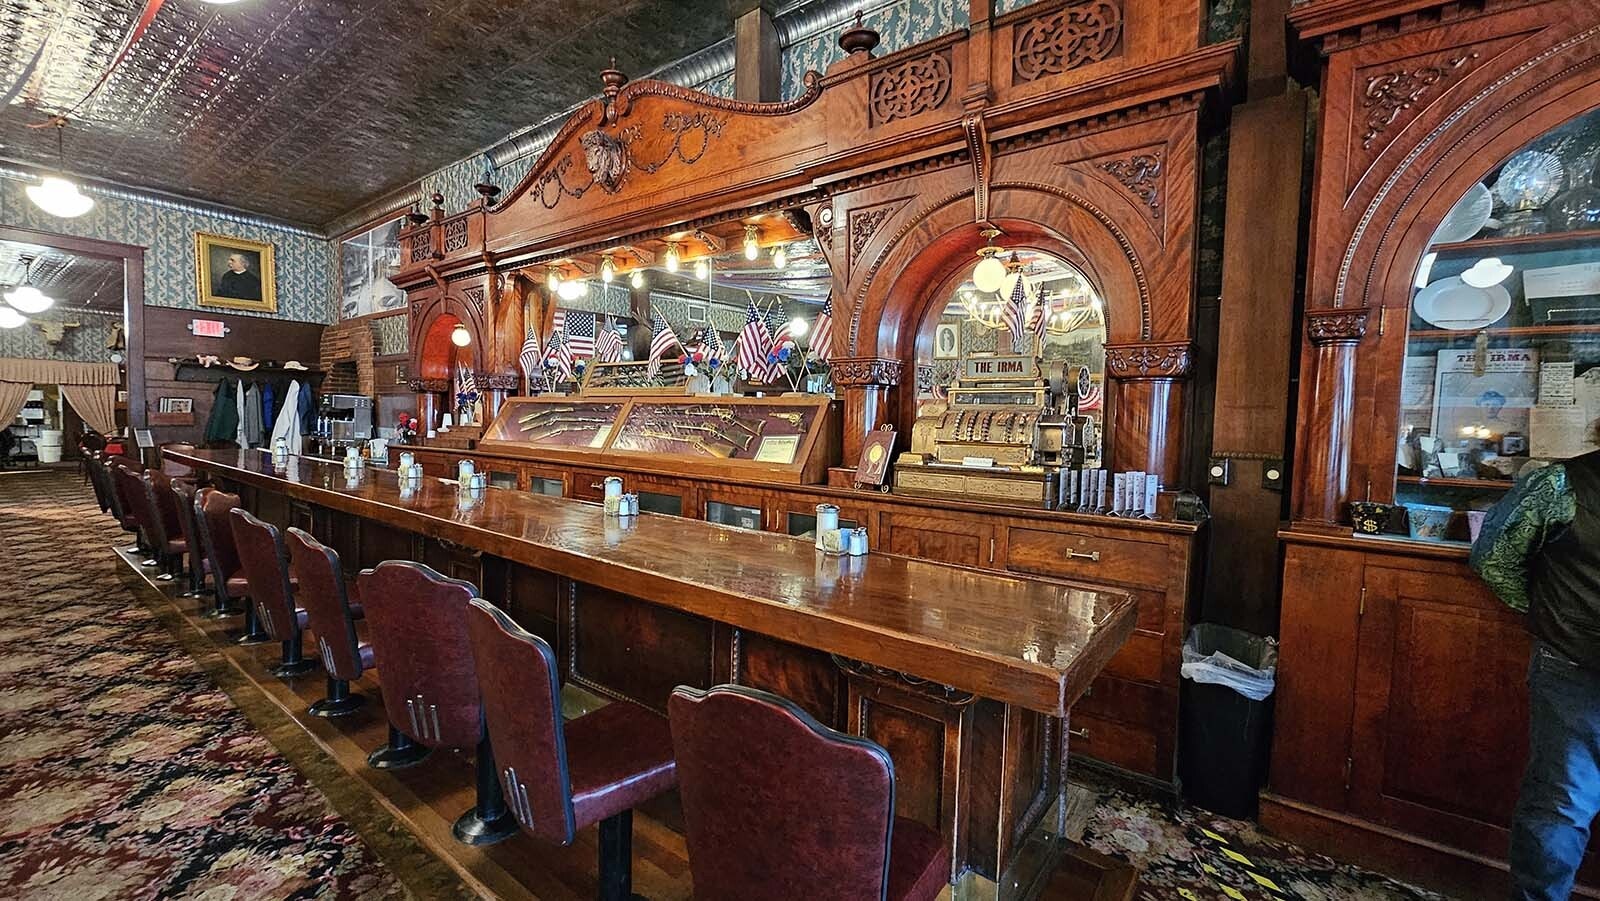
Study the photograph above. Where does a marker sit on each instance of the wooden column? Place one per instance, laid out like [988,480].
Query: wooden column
[639,309]
[867,387]
[757,57]
[429,392]
[1150,395]
[1326,438]
[504,318]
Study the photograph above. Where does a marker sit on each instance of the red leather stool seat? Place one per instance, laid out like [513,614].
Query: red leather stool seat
[618,757]
[319,587]
[918,864]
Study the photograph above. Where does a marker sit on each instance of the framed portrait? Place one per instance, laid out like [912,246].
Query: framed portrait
[366,261]
[947,341]
[234,273]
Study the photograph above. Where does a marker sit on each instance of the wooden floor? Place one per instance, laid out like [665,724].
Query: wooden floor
[426,799]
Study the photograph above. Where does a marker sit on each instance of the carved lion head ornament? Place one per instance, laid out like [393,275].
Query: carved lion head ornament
[606,158]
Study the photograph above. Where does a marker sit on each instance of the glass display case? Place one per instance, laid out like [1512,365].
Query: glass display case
[748,430]
[554,421]
[1503,341]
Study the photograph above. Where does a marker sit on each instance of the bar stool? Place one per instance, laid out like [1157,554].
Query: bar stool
[560,779]
[418,622]
[227,574]
[125,479]
[779,806]
[331,616]
[184,494]
[266,572]
[166,535]
[94,471]
[119,510]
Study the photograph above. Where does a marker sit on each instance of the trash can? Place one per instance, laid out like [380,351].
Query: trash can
[1228,677]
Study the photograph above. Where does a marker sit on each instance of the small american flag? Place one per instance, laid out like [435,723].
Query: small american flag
[1094,400]
[530,355]
[714,348]
[579,329]
[822,333]
[1015,314]
[663,340]
[608,344]
[559,357]
[1038,314]
[754,343]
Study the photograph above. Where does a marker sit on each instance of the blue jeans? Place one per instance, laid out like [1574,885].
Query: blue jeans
[1561,787]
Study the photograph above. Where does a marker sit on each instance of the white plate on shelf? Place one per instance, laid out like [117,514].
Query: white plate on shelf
[1451,303]
[1468,217]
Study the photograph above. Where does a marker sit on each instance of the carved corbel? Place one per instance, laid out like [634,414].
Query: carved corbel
[978,148]
[851,372]
[1344,325]
[1173,360]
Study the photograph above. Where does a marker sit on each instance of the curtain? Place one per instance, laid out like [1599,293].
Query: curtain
[58,372]
[97,404]
[12,396]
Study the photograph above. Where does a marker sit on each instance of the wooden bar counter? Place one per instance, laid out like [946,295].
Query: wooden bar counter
[966,677]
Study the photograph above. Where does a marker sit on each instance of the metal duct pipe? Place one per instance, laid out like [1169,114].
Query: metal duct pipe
[405,198]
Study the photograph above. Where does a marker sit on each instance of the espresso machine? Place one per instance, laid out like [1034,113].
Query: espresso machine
[348,418]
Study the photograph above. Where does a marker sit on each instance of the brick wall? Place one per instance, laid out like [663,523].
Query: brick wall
[347,352]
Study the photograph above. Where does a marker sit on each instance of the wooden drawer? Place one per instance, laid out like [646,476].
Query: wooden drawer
[588,485]
[1089,555]
[1130,747]
[1141,659]
[1130,703]
[964,542]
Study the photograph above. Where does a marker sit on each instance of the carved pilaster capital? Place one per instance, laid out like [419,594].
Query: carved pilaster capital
[499,382]
[1337,326]
[1166,360]
[421,386]
[865,371]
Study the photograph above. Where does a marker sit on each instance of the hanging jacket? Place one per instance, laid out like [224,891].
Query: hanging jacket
[268,408]
[254,424]
[288,425]
[239,435]
[224,422]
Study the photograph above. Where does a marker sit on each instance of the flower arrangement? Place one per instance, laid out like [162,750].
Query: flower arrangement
[406,427]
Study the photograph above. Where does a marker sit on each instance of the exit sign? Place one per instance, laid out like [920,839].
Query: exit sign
[208,328]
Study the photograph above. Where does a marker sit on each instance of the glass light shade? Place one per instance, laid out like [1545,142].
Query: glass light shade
[780,258]
[752,246]
[608,270]
[989,275]
[572,289]
[28,299]
[1486,273]
[10,318]
[553,279]
[459,336]
[60,198]
[702,269]
[637,278]
[798,327]
[671,258]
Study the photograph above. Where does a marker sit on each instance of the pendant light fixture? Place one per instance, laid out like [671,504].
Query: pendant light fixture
[459,336]
[636,279]
[780,257]
[608,269]
[57,195]
[990,274]
[552,279]
[702,269]
[672,258]
[25,298]
[752,243]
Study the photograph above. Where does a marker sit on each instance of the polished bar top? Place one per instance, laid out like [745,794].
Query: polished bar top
[1031,642]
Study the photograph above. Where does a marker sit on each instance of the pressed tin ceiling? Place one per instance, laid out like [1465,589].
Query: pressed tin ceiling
[302,110]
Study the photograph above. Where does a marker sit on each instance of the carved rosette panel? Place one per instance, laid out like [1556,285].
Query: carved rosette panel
[1339,326]
[1067,38]
[421,245]
[866,371]
[911,88]
[430,385]
[1150,361]
[499,382]
[474,296]
[455,235]
[1392,93]
[1141,175]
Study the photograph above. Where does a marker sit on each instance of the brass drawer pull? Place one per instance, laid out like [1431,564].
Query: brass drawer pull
[1074,554]
[597,486]
[1079,733]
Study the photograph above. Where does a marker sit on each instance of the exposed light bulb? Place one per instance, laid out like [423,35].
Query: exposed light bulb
[989,276]
[459,336]
[608,269]
[28,299]
[702,269]
[671,258]
[553,279]
[752,245]
[1486,273]
[10,318]
[60,198]
[637,278]
[780,258]
[572,289]
[798,327]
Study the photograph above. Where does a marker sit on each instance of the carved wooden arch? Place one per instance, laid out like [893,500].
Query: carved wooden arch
[426,312]
[941,237]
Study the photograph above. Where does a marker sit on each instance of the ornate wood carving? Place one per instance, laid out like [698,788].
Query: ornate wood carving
[1390,93]
[865,222]
[436,385]
[421,245]
[1336,326]
[1067,38]
[916,86]
[606,158]
[455,235]
[498,382]
[1149,361]
[474,296]
[1140,173]
[866,371]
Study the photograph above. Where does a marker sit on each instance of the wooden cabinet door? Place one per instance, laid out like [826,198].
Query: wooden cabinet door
[964,542]
[1440,731]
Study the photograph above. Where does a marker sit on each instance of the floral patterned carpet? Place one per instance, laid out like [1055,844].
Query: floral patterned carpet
[124,771]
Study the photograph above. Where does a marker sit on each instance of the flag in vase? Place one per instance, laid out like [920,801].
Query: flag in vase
[608,344]
[822,333]
[578,327]
[1015,314]
[558,357]
[531,355]
[663,340]
[714,349]
[1038,315]
[754,343]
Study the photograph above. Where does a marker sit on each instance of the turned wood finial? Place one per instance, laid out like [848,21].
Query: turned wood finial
[860,38]
[487,191]
[438,200]
[613,79]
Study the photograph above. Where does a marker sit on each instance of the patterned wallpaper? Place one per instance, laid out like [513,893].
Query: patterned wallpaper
[899,24]
[88,343]
[390,334]
[304,264]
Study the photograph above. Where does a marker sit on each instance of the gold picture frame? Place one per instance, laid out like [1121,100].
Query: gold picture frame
[222,282]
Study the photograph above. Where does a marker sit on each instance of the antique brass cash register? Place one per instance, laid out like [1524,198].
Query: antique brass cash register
[1007,429]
